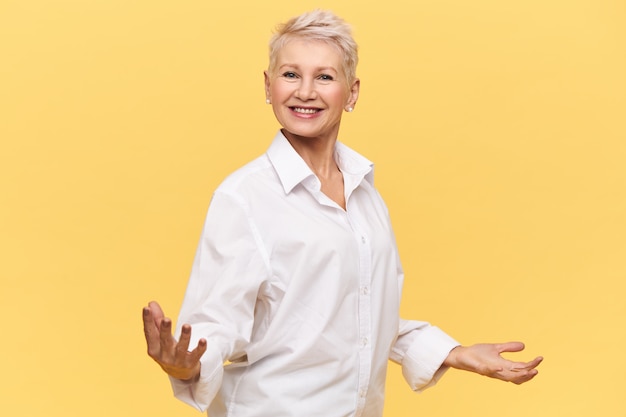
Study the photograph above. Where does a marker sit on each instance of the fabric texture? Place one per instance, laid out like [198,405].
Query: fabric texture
[299,299]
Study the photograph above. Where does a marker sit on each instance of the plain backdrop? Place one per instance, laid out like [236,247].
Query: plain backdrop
[499,136]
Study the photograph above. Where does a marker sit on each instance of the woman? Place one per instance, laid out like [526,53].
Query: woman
[296,282]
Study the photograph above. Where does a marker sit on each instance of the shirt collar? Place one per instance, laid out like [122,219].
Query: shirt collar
[292,169]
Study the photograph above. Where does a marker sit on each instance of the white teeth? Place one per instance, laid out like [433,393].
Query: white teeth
[305,111]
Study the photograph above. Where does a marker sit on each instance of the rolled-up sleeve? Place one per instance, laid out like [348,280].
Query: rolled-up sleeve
[200,393]
[421,349]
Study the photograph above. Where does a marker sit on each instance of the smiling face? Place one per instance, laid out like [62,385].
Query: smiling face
[309,91]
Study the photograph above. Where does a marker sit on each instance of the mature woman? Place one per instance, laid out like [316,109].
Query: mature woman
[295,289]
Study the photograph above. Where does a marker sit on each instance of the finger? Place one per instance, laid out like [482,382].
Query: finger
[525,377]
[183,342]
[518,376]
[529,365]
[151,333]
[522,375]
[148,321]
[535,362]
[197,353]
[166,338]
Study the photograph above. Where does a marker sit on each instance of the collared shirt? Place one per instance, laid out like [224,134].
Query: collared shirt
[298,299]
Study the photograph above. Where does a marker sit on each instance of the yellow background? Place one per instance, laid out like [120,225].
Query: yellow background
[498,129]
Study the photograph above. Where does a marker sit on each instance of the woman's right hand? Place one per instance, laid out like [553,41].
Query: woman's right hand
[174,357]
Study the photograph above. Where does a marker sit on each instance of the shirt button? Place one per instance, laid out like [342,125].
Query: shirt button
[364,341]
[363,239]
[365,290]
[362,393]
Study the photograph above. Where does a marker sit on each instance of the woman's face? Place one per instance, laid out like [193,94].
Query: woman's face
[308,89]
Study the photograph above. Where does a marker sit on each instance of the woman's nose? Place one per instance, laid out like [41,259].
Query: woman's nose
[306,90]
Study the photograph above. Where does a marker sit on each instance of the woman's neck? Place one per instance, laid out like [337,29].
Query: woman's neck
[318,153]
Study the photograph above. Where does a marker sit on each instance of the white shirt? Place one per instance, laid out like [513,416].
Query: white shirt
[298,298]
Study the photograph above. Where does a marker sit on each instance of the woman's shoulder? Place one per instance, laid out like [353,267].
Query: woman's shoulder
[249,175]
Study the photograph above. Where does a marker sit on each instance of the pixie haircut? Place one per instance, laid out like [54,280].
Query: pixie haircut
[318,25]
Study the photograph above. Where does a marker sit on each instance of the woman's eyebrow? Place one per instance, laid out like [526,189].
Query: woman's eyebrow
[296,66]
[327,68]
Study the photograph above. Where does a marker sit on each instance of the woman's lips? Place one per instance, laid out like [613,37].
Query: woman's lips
[304,110]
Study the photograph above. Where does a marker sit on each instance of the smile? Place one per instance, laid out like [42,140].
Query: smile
[304,111]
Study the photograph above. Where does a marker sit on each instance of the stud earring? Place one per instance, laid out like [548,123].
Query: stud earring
[350,109]
[268,101]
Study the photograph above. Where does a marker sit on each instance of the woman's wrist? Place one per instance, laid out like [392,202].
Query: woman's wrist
[452,360]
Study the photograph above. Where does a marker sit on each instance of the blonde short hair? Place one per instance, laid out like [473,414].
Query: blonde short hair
[319,25]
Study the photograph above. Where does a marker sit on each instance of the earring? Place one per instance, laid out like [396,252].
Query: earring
[350,109]
[268,101]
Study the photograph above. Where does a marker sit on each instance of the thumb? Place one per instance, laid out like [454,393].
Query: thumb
[511,347]
[157,312]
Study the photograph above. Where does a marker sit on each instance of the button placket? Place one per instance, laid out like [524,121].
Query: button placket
[364,316]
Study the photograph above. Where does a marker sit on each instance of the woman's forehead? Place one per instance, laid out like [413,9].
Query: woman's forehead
[309,52]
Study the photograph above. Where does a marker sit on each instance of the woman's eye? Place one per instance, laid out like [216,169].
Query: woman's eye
[326,77]
[289,74]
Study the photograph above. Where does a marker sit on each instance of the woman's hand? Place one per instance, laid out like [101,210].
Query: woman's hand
[173,356]
[485,359]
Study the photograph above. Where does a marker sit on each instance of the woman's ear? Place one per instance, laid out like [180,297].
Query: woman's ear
[354,94]
[268,96]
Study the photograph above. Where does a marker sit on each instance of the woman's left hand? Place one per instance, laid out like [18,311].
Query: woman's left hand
[486,359]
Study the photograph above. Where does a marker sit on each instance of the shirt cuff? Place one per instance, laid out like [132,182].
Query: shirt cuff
[200,393]
[422,363]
